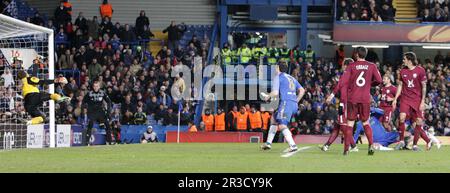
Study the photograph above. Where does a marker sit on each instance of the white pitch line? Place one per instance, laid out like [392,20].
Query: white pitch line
[289,154]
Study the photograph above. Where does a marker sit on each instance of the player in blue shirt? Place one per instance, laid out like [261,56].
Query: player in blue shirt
[290,92]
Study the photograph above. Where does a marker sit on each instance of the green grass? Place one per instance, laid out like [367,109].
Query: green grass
[217,157]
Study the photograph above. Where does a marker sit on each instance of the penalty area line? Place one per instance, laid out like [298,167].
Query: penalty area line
[289,154]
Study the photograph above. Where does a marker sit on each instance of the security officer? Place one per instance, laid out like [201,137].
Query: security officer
[285,53]
[272,54]
[310,56]
[226,54]
[245,54]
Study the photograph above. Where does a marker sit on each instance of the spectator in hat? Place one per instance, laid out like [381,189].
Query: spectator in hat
[163,98]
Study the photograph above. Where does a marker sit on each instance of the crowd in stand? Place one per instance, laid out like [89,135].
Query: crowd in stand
[433,10]
[365,10]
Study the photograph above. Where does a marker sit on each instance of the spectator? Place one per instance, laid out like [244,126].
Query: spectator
[439,59]
[141,21]
[66,61]
[68,6]
[61,37]
[387,13]
[375,17]
[81,22]
[106,9]
[61,15]
[191,127]
[128,35]
[93,27]
[426,16]
[140,118]
[106,26]
[7,77]
[174,34]
[149,136]
[170,118]
[94,69]
[37,19]
[208,120]
[146,34]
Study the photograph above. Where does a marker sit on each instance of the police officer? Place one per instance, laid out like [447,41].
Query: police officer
[272,54]
[226,54]
[310,56]
[97,112]
[285,53]
[245,54]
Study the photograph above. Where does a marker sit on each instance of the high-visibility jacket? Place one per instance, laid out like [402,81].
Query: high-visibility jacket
[241,121]
[265,120]
[226,56]
[296,54]
[68,5]
[285,54]
[106,10]
[209,122]
[309,56]
[272,55]
[234,56]
[245,54]
[192,129]
[219,122]
[255,120]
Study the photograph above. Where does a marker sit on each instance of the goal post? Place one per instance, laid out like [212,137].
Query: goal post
[20,39]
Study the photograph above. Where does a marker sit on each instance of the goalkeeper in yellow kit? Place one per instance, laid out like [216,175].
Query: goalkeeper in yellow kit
[33,98]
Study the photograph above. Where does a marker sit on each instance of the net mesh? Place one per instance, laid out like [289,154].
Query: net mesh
[18,48]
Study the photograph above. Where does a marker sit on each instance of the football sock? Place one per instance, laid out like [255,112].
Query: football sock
[271,134]
[369,135]
[333,136]
[347,136]
[418,131]
[288,136]
[401,131]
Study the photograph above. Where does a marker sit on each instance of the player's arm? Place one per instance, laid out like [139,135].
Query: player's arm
[46,82]
[300,91]
[377,79]
[424,94]
[397,94]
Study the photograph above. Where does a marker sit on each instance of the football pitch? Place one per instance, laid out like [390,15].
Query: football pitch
[219,157]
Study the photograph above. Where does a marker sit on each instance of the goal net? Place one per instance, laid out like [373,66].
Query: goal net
[20,44]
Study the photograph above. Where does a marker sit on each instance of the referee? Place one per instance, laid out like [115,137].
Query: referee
[94,100]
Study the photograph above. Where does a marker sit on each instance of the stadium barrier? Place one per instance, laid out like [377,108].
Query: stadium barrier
[214,137]
[38,136]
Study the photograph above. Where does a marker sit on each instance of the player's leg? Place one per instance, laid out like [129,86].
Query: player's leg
[104,123]
[271,133]
[351,113]
[89,129]
[334,134]
[386,119]
[420,133]
[364,112]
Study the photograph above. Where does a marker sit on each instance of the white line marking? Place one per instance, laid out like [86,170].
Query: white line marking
[289,154]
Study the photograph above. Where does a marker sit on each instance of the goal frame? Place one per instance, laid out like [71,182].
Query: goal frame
[35,29]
